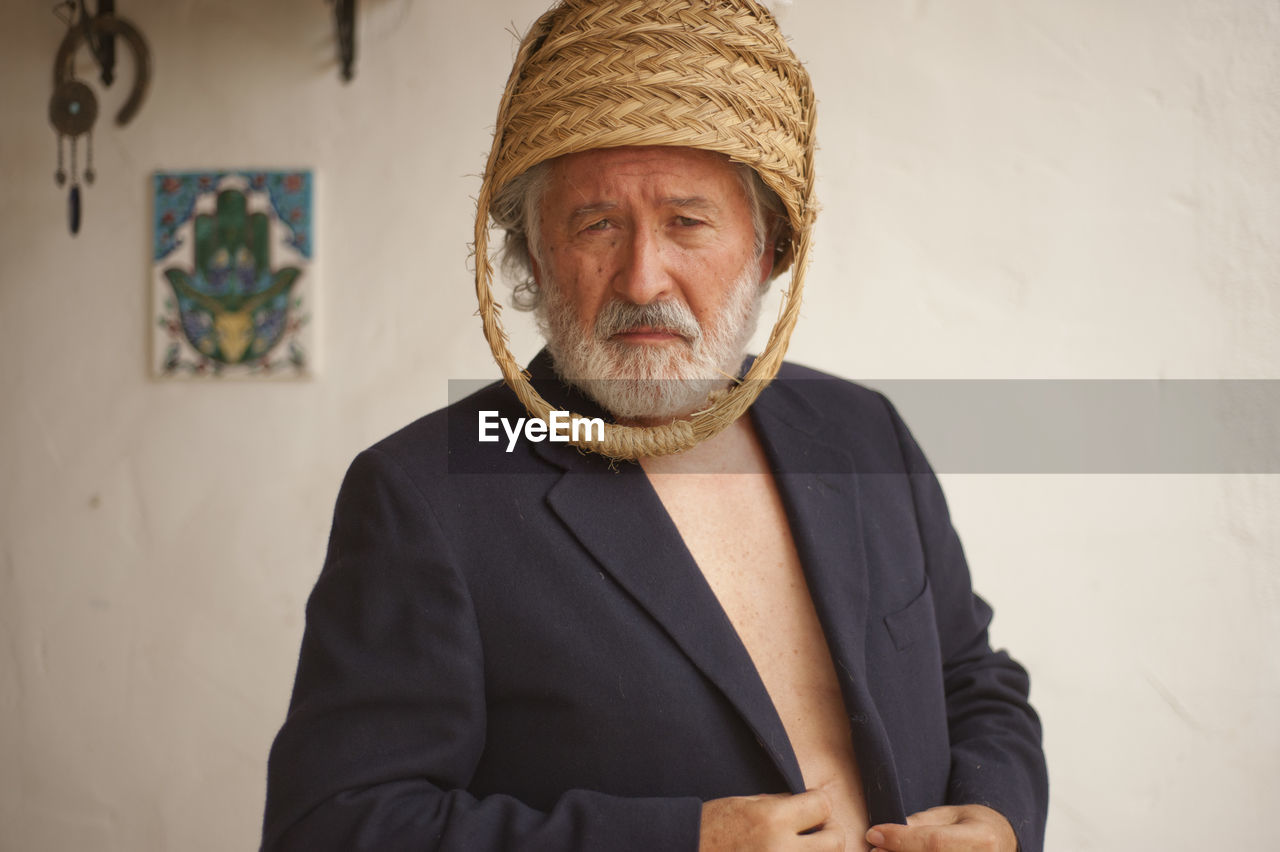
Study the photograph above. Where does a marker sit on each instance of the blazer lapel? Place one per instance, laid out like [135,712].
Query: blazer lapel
[617,516]
[620,519]
[819,487]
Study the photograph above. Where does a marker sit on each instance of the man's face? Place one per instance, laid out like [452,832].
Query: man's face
[650,279]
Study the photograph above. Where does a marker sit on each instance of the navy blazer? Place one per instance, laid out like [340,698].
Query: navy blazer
[516,651]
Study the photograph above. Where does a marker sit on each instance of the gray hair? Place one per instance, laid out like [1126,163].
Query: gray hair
[517,210]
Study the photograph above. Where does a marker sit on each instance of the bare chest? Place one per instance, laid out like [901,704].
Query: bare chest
[736,529]
[737,532]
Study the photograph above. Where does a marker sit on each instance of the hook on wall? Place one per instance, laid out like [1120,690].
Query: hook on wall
[73,108]
[344,19]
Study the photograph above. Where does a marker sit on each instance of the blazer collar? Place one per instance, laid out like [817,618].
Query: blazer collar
[819,485]
[618,517]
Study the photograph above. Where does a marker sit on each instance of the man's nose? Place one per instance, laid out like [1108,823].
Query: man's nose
[644,276]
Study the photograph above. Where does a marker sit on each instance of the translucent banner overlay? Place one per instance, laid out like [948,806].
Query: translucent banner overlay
[1052,426]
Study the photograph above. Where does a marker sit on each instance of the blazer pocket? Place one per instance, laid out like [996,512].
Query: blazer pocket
[913,622]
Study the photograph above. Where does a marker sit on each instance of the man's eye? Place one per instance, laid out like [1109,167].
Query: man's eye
[598,226]
[687,221]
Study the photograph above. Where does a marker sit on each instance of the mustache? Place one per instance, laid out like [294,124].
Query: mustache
[618,317]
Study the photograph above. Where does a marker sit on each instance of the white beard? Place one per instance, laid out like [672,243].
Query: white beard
[645,382]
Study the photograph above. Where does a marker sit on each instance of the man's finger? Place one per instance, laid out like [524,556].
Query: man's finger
[809,809]
[776,821]
[968,828]
[917,838]
[943,815]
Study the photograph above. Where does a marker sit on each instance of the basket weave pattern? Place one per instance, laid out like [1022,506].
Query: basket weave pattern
[709,74]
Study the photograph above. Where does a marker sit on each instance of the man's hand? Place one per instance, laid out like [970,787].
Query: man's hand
[774,823]
[967,828]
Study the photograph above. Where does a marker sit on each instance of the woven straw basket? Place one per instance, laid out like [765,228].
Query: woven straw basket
[709,74]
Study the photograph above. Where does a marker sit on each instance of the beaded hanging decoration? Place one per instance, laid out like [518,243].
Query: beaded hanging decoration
[73,107]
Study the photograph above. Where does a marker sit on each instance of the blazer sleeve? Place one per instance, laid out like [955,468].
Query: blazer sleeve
[997,758]
[387,719]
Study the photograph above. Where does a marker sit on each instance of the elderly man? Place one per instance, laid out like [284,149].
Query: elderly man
[761,633]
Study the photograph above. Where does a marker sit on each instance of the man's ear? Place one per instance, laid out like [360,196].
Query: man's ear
[535,270]
[766,263]
[773,233]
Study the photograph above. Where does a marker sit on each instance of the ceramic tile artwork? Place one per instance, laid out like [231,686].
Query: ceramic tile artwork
[233,275]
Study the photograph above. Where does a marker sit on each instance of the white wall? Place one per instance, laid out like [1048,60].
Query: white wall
[1011,189]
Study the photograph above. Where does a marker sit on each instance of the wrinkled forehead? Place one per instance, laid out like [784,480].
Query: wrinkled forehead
[642,181]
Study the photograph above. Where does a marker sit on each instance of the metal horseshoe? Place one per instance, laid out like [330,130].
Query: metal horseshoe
[101,26]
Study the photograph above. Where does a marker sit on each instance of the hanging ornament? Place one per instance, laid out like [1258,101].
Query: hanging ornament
[344,19]
[73,108]
[72,112]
